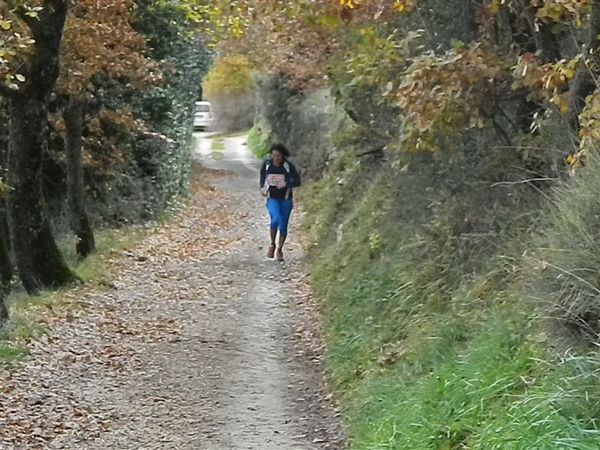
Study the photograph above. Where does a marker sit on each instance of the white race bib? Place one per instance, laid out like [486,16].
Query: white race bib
[275,179]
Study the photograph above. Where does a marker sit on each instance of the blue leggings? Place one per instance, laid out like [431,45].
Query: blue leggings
[280,211]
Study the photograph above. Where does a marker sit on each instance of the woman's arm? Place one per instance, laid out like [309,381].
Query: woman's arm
[294,177]
[263,174]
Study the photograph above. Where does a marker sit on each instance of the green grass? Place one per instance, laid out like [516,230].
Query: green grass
[218,147]
[108,241]
[494,393]
[475,377]
[10,353]
[440,343]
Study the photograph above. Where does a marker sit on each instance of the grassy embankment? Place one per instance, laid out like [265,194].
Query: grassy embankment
[438,343]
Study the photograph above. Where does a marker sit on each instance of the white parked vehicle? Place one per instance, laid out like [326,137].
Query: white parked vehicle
[203,117]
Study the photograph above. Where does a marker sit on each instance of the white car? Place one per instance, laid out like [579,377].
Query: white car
[203,117]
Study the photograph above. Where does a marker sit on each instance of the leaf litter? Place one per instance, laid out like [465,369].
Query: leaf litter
[144,360]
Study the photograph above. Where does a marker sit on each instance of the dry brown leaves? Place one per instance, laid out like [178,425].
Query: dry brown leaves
[95,332]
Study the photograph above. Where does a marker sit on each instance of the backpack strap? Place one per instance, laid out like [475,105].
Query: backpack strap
[286,165]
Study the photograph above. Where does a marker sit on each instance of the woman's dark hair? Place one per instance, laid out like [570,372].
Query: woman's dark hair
[281,149]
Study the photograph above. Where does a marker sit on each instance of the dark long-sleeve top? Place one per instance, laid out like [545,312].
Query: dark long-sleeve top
[268,174]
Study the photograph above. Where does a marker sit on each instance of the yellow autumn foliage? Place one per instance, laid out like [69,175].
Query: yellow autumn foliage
[231,75]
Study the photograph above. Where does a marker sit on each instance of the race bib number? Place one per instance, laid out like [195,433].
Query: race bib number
[275,179]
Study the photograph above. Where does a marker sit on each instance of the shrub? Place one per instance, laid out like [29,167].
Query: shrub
[258,141]
[568,280]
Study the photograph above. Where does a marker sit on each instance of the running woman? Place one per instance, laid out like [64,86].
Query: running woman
[278,177]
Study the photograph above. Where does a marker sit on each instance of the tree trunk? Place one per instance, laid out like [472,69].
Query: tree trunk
[38,259]
[3,311]
[78,217]
[6,267]
[584,83]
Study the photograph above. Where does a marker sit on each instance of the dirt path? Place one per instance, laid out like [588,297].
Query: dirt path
[200,343]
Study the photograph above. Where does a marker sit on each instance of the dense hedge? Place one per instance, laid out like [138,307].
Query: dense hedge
[136,173]
[163,159]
